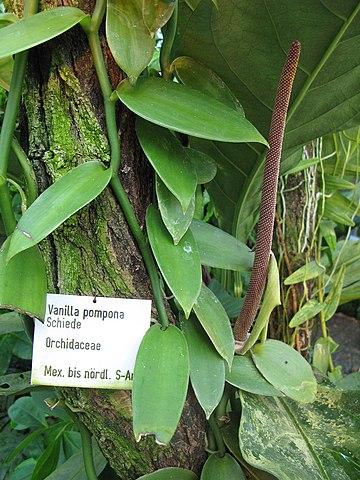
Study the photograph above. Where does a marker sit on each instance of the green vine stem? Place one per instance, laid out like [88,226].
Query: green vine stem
[115,155]
[31,185]
[268,199]
[8,127]
[169,32]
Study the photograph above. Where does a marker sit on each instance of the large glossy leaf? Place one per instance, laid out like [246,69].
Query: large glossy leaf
[219,249]
[197,76]
[175,220]
[285,369]
[186,110]
[11,322]
[179,264]
[156,13]
[215,322]
[221,468]
[57,203]
[169,159]
[207,368]
[160,385]
[328,33]
[33,30]
[317,441]
[23,284]
[244,375]
[170,473]
[128,37]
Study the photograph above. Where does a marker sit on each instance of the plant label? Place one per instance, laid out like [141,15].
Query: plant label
[88,342]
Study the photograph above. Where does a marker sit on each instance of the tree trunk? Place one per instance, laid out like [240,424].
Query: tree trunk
[93,253]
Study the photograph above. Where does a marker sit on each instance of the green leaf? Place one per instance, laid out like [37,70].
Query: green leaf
[332,299]
[169,159]
[327,230]
[263,29]
[215,322]
[172,215]
[26,413]
[205,166]
[339,210]
[73,468]
[24,470]
[271,299]
[285,369]
[306,272]
[48,460]
[57,203]
[161,377]
[170,473]
[231,304]
[197,114]
[219,249]
[11,322]
[323,349]
[23,284]
[129,39]
[207,368]
[246,376]
[179,264]
[33,30]
[316,441]
[156,13]
[197,76]
[304,164]
[15,383]
[307,312]
[221,468]
[333,182]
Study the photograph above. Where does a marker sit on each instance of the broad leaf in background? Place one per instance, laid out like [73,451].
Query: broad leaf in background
[26,413]
[216,323]
[74,468]
[231,304]
[271,299]
[217,467]
[156,13]
[307,312]
[170,473]
[157,404]
[285,369]
[172,214]
[316,441]
[23,283]
[328,34]
[128,37]
[199,77]
[57,203]
[15,383]
[169,159]
[197,114]
[49,458]
[36,29]
[219,249]
[207,368]
[205,167]
[307,272]
[179,264]
[244,375]
[11,322]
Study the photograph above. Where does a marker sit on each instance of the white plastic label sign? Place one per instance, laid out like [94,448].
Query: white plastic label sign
[87,342]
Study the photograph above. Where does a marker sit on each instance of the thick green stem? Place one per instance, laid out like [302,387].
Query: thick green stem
[217,435]
[169,32]
[115,155]
[8,127]
[28,172]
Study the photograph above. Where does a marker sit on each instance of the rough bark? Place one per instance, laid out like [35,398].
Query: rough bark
[93,252]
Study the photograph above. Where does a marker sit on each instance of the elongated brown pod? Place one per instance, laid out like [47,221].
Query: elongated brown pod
[268,198]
